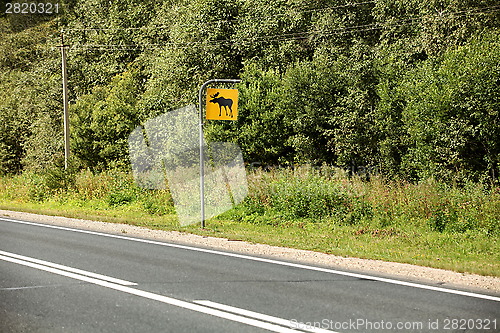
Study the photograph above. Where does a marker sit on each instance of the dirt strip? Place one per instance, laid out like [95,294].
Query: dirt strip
[433,276]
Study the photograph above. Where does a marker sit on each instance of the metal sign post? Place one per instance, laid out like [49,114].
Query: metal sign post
[202,162]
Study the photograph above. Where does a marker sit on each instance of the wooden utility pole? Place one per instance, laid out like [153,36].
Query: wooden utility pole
[65,101]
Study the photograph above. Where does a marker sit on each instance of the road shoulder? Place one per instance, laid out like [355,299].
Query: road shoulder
[433,276]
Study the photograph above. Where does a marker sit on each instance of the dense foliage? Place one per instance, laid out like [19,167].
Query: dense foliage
[408,88]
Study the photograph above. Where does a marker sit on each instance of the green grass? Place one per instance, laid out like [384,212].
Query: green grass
[429,224]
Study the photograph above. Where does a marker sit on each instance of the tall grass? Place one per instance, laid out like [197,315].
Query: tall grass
[327,195]
[101,191]
[283,196]
[321,209]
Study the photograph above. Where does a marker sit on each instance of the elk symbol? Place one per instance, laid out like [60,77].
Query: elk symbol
[223,102]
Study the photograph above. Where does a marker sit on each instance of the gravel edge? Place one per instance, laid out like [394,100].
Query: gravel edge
[434,276]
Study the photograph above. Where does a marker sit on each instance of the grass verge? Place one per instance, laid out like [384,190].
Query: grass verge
[427,224]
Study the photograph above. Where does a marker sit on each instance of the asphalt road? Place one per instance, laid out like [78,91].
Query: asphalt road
[55,279]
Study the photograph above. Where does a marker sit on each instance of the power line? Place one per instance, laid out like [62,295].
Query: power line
[354,4]
[283,37]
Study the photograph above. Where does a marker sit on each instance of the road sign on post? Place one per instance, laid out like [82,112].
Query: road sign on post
[202,164]
[222,104]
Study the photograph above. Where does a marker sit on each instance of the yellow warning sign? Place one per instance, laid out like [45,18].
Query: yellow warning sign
[222,104]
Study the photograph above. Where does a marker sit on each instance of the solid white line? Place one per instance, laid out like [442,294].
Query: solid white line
[156,297]
[260,316]
[270,261]
[69,269]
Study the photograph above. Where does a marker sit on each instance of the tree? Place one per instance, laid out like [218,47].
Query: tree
[103,120]
[29,97]
[260,129]
[452,113]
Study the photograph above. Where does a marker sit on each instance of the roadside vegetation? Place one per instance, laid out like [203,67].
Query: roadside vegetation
[407,87]
[321,209]
[403,94]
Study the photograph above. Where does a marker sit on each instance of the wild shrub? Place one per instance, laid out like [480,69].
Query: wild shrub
[157,202]
[312,197]
[59,179]
[31,187]
[278,196]
[122,190]
[89,185]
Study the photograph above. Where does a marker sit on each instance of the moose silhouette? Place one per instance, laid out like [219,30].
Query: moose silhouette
[223,102]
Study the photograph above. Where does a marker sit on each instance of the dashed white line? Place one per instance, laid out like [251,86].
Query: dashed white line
[260,316]
[49,267]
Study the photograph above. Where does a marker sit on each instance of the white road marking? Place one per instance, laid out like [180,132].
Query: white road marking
[31,287]
[270,261]
[260,316]
[149,295]
[69,269]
